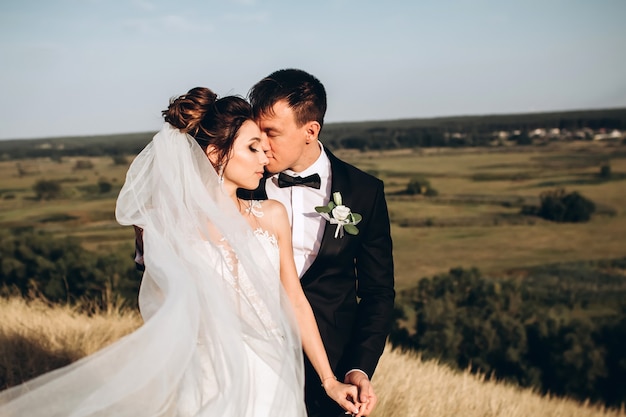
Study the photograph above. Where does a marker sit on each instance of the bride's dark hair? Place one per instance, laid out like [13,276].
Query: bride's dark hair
[211,121]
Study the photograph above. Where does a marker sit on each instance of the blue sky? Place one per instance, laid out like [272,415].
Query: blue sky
[83,67]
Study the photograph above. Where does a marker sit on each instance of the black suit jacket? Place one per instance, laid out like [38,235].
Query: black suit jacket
[350,285]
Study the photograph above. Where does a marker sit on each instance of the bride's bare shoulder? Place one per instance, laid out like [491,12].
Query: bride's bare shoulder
[273,208]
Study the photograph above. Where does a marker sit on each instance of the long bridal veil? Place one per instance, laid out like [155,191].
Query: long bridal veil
[205,301]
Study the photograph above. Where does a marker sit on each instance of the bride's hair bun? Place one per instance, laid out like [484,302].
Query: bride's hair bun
[187,111]
[210,121]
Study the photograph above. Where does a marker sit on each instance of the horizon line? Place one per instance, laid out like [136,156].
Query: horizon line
[402,119]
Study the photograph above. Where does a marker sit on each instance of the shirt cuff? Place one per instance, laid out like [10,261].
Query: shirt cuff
[355,370]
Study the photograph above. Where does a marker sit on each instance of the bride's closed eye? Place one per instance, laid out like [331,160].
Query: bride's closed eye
[253,149]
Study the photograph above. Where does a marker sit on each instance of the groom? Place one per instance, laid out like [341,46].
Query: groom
[347,278]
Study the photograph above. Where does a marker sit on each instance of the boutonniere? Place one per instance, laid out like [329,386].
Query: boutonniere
[336,213]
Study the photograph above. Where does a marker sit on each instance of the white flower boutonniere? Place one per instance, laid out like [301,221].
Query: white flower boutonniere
[336,213]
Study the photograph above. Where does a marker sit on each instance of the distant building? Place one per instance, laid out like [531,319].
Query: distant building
[537,133]
[500,134]
[613,135]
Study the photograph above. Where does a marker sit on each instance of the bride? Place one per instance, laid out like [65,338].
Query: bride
[221,335]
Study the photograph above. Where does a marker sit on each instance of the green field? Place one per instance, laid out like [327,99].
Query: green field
[473,221]
[80,211]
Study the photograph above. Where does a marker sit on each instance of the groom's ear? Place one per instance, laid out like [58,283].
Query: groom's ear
[312,129]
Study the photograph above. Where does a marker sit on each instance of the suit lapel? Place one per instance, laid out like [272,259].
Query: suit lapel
[331,246]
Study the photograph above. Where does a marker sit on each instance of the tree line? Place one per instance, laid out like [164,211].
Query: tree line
[557,328]
[391,134]
[61,270]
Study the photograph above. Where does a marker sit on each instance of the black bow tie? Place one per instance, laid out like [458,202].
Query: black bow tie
[312,181]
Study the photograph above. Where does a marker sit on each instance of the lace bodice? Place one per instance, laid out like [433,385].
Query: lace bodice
[267,240]
[247,284]
[270,244]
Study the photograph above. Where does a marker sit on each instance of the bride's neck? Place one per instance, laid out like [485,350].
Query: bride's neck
[231,190]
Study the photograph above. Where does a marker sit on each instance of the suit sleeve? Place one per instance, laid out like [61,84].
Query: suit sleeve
[375,288]
[139,248]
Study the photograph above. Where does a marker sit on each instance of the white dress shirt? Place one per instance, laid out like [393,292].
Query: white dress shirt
[307,226]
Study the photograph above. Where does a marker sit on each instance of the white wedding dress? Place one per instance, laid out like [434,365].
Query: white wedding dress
[219,337]
[261,376]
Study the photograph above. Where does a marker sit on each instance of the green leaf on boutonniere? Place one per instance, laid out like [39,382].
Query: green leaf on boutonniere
[326,209]
[351,229]
[356,217]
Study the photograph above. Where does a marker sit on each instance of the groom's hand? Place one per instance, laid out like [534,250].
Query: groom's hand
[367,397]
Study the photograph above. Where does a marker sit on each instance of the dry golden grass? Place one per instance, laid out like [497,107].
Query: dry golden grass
[36,337]
[409,387]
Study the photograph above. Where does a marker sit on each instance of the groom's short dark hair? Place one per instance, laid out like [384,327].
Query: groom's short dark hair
[304,93]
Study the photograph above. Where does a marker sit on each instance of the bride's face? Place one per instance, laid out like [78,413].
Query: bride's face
[247,160]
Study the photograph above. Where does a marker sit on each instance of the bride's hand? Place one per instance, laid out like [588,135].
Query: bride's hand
[345,395]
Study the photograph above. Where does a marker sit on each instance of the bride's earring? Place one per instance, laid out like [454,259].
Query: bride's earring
[220,174]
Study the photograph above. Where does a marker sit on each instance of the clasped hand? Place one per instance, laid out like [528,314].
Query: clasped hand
[356,396]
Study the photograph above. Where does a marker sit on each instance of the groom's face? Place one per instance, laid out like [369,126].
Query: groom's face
[284,138]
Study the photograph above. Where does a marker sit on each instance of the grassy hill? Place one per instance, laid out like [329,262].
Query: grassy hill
[36,337]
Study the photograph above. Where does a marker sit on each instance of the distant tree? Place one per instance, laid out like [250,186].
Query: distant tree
[523,139]
[353,142]
[47,189]
[605,170]
[559,206]
[119,160]
[20,170]
[83,164]
[104,186]
[420,185]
